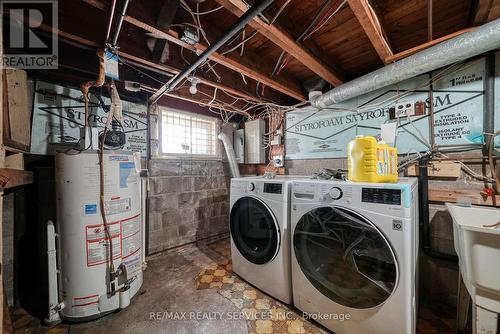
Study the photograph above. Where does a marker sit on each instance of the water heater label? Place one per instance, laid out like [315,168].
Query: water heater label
[116,206]
[90,209]
[131,236]
[85,304]
[128,174]
[118,157]
[98,243]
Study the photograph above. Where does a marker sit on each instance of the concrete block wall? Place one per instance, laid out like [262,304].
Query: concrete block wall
[188,201]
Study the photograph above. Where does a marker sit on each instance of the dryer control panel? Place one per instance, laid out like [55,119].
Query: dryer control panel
[323,192]
[381,196]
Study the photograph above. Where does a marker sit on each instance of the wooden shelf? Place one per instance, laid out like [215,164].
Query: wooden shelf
[10,178]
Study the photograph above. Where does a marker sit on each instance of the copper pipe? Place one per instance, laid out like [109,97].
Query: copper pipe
[85,87]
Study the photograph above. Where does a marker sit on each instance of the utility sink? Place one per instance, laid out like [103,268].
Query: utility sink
[478,250]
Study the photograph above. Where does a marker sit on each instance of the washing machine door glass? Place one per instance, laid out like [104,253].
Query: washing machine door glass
[345,257]
[254,230]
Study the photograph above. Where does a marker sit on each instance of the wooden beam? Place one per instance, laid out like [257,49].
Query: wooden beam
[424,46]
[173,70]
[372,27]
[285,41]
[15,161]
[482,12]
[162,67]
[287,86]
[10,178]
[457,195]
[284,85]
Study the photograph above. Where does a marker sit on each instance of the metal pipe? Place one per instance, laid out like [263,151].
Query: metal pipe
[120,22]
[431,114]
[110,23]
[480,40]
[424,221]
[231,156]
[235,28]
[53,317]
[489,100]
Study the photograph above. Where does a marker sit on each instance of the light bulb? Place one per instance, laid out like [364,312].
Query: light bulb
[192,89]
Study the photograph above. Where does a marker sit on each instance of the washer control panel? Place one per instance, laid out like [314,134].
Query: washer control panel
[323,192]
[335,193]
[251,186]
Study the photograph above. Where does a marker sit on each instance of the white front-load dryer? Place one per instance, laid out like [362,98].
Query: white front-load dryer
[260,234]
[354,254]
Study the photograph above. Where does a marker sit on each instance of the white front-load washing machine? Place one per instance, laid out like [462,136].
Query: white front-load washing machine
[354,254]
[260,233]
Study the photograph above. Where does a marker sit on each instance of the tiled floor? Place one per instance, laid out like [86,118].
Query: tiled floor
[199,280]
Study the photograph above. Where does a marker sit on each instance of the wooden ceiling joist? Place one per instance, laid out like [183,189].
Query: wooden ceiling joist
[287,87]
[482,11]
[161,67]
[418,48]
[285,41]
[372,27]
[284,85]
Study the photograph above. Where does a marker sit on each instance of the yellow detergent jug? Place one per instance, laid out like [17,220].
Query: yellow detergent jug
[369,161]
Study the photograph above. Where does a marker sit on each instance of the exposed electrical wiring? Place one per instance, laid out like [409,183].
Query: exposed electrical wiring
[278,67]
[242,43]
[196,20]
[183,57]
[493,169]
[208,11]
[325,21]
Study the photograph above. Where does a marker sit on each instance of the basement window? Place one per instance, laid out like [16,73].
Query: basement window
[188,135]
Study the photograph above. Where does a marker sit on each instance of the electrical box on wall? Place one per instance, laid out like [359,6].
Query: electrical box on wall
[239,145]
[407,109]
[255,152]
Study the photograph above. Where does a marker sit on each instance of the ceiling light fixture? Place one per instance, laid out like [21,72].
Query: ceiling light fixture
[194,82]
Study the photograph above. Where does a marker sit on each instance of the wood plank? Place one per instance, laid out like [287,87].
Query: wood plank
[454,196]
[178,96]
[424,46]
[18,106]
[163,67]
[372,27]
[15,161]
[285,41]
[482,12]
[10,178]
[287,86]
[438,169]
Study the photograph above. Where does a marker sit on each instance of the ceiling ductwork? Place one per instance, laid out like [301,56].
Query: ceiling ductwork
[480,40]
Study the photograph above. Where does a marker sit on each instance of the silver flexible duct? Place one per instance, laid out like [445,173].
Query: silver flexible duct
[480,40]
[231,156]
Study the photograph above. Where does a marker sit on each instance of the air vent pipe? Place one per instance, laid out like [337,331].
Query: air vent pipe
[480,40]
[231,156]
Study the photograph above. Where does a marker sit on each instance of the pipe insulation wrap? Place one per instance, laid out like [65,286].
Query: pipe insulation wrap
[480,40]
[231,156]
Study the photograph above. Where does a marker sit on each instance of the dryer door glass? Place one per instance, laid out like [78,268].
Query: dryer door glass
[254,230]
[345,257]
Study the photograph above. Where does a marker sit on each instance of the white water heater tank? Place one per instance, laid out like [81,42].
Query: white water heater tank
[83,284]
